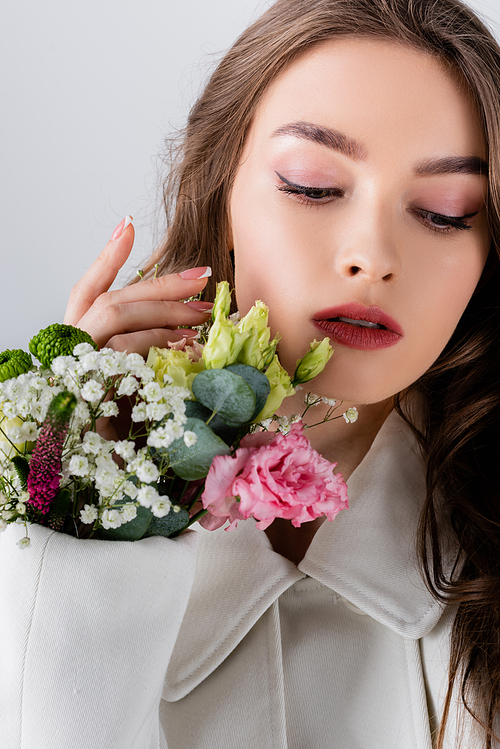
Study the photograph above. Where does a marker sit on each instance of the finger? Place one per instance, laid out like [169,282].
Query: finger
[116,319]
[142,341]
[101,273]
[172,287]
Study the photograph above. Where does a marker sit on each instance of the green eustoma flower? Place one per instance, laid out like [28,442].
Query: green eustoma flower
[314,362]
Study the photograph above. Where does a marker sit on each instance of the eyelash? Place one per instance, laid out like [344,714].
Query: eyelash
[450,222]
[306,194]
[309,196]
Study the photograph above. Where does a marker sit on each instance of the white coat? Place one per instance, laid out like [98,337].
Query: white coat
[105,645]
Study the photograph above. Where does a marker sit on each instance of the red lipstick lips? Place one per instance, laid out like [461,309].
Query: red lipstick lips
[359,327]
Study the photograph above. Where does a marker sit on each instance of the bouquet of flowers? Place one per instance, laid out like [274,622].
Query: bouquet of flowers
[202,438]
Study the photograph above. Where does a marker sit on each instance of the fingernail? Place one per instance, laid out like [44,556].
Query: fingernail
[194,274]
[188,333]
[121,228]
[200,306]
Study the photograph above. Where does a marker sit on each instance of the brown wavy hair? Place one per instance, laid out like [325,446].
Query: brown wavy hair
[460,436]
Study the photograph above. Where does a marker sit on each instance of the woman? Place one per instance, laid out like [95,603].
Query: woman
[340,158]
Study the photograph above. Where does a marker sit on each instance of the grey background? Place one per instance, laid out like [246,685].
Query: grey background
[88,91]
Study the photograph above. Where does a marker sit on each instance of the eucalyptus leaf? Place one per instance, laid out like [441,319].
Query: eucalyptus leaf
[257,381]
[193,462]
[131,531]
[197,410]
[169,525]
[219,427]
[225,393]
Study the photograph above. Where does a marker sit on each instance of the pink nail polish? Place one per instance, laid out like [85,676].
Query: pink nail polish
[200,306]
[195,274]
[121,228]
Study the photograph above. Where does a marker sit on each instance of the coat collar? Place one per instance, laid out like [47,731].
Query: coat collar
[366,555]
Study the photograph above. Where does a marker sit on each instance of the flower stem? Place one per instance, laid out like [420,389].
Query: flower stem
[196,497]
[196,517]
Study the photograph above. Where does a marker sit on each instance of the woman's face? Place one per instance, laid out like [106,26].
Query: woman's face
[357,212]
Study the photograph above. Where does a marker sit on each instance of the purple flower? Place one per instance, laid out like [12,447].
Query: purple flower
[45,465]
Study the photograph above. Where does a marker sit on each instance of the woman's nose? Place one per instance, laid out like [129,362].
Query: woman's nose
[368,250]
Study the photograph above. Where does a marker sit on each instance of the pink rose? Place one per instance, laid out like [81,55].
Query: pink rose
[274,476]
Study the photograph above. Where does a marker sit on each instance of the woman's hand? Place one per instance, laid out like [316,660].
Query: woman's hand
[139,316]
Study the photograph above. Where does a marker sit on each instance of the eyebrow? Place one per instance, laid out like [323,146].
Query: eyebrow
[337,141]
[453,165]
[325,136]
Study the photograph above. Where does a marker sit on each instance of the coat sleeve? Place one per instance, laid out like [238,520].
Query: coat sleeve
[87,628]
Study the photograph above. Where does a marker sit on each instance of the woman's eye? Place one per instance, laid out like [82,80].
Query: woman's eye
[444,224]
[309,194]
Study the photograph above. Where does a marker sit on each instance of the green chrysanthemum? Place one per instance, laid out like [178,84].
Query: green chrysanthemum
[57,340]
[14,362]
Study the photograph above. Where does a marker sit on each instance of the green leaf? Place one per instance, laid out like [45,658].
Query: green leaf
[131,531]
[193,462]
[198,411]
[170,525]
[22,469]
[225,393]
[257,381]
[59,509]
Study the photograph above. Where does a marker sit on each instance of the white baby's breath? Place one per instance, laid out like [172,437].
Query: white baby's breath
[129,489]
[78,465]
[311,400]
[89,514]
[147,495]
[17,434]
[161,507]
[92,391]
[147,472]
[82,348]
[351,415]
[62,365]
[145,374]
[92,443]
[156,411]
[329,401]
[139,412]
[126,449]
[105,475]
[109,408]
[153,391]
[190,438]
[127,386]
[162,436]
[89,362]
[81,415]
[134,361]
[128,512]
[112,362]
[111,519]
[266,423]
